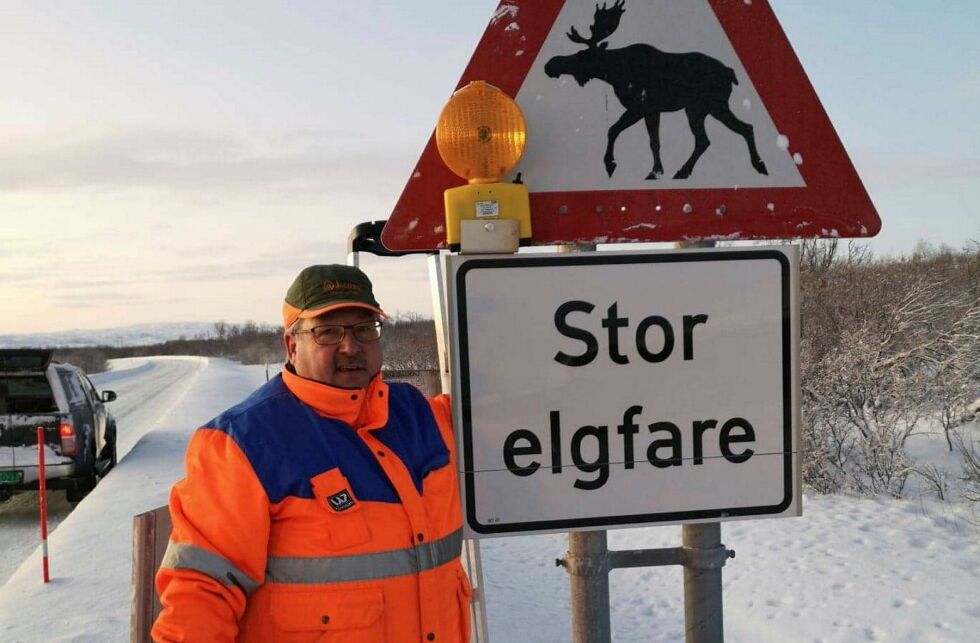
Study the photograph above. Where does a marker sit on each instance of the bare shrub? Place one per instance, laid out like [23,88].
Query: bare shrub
[884,345]
[970,452]
[410,344]
[90,360]
[860,410]
[936,477]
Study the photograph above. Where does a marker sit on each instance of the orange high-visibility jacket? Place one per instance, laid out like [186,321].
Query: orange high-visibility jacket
[312,513]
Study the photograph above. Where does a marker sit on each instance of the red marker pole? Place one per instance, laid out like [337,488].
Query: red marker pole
[42,490]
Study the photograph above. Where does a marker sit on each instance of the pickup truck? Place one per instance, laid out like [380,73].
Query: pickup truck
[79,432]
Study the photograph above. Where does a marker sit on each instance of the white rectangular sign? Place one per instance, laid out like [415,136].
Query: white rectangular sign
[608,389]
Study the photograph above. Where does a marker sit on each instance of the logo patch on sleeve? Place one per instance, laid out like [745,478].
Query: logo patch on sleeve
[341,500]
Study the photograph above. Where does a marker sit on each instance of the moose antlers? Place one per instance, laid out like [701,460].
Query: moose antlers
[604,23]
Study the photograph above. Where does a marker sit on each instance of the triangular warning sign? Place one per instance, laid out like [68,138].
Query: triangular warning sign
[654,120]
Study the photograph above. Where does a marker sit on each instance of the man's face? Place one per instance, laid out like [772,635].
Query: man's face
[350,364]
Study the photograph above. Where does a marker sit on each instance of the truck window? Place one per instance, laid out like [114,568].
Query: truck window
[26,394]
[73,390]
[89,388]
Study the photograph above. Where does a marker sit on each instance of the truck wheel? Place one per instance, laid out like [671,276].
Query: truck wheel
[85,479]
[107,461]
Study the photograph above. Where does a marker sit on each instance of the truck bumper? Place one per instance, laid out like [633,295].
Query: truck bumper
[59,476]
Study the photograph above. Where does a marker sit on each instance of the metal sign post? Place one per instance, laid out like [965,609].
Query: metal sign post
[635,405]
[656,387]
[471,547]
[366,238]
[703,622]
[588,562]
[702,555]
[559,444]
[703,613]
[587,565]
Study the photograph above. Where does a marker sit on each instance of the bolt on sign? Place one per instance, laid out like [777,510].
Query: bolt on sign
[625,388]
[654,120]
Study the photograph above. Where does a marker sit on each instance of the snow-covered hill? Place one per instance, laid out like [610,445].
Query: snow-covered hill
[136,335]
[849,570]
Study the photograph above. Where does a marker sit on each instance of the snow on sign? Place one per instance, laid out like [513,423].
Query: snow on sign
[654,120]
[623,388]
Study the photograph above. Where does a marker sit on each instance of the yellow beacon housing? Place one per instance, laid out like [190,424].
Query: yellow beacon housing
[481,136]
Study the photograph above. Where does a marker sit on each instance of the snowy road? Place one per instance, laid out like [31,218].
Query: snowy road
[147,390]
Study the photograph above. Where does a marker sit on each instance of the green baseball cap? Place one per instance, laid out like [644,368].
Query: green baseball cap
[320,289]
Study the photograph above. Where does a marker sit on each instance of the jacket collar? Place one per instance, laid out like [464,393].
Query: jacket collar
[363,409]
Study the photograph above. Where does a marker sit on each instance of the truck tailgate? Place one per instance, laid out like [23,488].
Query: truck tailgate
[18,440]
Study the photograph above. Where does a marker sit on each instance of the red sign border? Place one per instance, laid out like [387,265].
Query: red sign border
[833,203]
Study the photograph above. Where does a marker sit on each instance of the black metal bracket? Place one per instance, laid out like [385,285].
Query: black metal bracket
[714,558]
[366,237]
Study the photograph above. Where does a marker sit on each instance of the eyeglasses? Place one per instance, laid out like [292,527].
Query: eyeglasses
[330,334]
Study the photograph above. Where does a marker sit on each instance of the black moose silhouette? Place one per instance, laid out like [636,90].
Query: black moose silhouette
[649,82]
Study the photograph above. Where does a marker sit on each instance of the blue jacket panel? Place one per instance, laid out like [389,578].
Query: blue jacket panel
[287,443]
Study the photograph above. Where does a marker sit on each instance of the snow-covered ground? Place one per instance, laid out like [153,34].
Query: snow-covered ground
[849,570]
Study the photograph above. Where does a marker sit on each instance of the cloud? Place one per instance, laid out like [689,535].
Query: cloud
[287,260]
[145,284]
[60,277]
[213,272]
[953,169]
[12,247]
[327,161]
[891,173]
[23,277]
[89,284]
[94,299]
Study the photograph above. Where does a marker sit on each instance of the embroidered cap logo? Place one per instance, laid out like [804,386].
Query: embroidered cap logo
[333,286]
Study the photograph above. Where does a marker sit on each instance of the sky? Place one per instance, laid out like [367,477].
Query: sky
[182,161]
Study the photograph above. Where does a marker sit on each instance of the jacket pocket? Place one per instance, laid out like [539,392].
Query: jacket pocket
[338,616]
[341,511]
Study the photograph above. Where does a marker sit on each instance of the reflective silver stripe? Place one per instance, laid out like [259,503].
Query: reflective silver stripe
[361,567]
[183,556]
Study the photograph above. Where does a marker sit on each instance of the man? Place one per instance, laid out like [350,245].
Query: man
[325,506]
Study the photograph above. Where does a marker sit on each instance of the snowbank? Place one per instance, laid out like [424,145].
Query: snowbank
[91,550]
